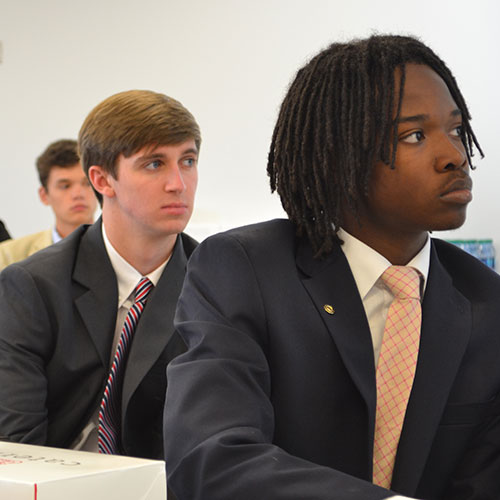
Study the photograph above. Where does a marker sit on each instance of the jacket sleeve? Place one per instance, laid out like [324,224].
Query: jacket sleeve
[25,341]
[219,419]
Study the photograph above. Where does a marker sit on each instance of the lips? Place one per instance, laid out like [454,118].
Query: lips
[459,184]
[79,208]
[175,205]
[175,208]
[458,191]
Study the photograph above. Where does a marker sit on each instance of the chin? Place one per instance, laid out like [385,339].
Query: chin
[83,218]
[175,228]
[449,225]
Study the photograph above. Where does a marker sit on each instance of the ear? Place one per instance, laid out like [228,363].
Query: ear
[101,180]
[44,197]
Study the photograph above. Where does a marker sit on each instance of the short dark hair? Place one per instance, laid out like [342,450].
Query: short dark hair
[128,121]
[62,153]
[336,121]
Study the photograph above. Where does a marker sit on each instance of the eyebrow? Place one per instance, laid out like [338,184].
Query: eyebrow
[424,117]
[155,156]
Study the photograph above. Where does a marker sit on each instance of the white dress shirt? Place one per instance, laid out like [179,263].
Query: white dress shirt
[55,235]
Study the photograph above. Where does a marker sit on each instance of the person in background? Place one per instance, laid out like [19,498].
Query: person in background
[65,188]
[344,353]
[86,325]
[4,234]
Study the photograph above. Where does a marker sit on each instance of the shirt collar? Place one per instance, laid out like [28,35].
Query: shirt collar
[126,275]
[367,265]
[55,235]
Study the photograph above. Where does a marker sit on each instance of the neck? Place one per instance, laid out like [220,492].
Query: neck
[398,253]
[397,249]
[144,252]
[397,246]
[65,229]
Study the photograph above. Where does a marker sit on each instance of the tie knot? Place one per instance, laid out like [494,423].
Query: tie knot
[402,281]
[142,290]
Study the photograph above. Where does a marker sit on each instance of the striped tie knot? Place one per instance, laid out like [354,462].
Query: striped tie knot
[142,290]
[402,281]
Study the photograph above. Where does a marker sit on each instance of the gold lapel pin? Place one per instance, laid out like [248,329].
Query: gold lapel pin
[329,309]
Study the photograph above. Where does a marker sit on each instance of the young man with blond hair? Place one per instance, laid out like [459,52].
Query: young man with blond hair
[65,312]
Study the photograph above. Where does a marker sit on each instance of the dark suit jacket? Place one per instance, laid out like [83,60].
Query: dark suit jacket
[4,234]
[275,398]
[57,320]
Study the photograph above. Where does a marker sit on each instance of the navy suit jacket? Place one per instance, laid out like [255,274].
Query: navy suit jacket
[275,397]
[57,320]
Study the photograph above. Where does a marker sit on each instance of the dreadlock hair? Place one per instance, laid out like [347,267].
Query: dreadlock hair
[339,117]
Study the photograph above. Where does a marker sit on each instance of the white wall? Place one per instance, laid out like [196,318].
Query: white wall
[229,62]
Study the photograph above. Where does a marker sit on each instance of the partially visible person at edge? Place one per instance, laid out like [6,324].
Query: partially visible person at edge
[4,234]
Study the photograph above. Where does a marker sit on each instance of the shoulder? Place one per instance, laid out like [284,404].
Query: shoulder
[266,246]
[468,273]
[55,259]
[275,229]
[28,241]
[269,236]
[20,248]
[188,243]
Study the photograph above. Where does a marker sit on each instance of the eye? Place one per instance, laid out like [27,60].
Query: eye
[153,165]
[414,137]
[189,162]
[457,131]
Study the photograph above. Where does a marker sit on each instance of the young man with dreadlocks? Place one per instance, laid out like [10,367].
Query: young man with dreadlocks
[291,365]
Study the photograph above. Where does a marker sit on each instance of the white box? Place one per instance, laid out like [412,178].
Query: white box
[40,473]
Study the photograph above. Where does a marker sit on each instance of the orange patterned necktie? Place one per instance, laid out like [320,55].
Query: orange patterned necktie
[396,367]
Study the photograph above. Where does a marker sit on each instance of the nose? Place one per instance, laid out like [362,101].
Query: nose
[78,191]
[451,155]
[174,181]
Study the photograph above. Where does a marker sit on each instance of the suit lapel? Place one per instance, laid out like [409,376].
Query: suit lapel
[330,282]
[446,327]
[97,304]
[155,327]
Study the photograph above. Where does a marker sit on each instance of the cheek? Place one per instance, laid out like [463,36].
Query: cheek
[194,186]
[384,185]
[393,193]
[63,197]
[191,184]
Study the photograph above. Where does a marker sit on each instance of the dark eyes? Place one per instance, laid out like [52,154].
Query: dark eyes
[414,137]
[418,136]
